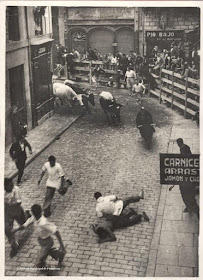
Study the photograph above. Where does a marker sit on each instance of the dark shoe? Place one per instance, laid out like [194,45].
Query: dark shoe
[141,194]
[27,215]
[61,256]
[69,181]
[14,249]
[144,215]
[185,210]
[41,264]
[47,213]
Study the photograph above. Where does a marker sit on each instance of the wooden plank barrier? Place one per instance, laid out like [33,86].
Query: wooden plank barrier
[172,89]
[177,92]
[83,72]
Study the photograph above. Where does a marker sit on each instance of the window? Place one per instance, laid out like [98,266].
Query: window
[12,24]
[39,12]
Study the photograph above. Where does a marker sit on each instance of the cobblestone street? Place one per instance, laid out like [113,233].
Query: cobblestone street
[112,160]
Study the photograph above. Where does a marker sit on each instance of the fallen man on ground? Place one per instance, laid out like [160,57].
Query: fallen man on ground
[105,229]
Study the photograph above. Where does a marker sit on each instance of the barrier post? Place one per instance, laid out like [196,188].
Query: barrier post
[160,93]
[172,94]
[90,73]
[149,86]
[186,95]
[66,70]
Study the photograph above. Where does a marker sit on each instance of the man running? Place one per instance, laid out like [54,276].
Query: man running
[55,181]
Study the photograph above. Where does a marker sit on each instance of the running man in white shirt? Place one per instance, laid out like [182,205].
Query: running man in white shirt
[111,205]
[55,181]
[130,77]
[44,230]
[139,88]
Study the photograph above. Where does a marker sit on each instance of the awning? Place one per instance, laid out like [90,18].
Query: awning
[41,42]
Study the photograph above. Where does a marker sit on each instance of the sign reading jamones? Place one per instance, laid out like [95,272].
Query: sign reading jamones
[176,169]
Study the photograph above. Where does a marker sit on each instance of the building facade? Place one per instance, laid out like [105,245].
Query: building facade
[28,65]
[125,29]
[105,29]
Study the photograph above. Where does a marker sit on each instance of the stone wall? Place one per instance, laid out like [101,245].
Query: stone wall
[99,13]
[177,18]
[167,19]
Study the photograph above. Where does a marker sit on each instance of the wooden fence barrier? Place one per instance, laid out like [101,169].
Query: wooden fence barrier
[173,89]
[178,92]
[83,72]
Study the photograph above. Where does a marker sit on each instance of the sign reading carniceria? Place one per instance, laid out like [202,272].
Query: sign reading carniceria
[176,169]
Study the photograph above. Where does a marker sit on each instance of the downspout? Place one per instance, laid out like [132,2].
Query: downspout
[30,69]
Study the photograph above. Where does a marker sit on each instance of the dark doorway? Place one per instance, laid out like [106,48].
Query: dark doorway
[17,94]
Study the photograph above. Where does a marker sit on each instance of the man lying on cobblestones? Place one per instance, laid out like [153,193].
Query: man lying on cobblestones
[105,229]
[13,212]
[55,181]
[111,205]
[45,230]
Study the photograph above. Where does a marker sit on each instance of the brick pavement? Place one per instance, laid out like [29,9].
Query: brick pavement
[174,247]
[109,159]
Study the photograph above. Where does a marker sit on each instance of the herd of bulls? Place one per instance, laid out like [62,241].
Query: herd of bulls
[73,95]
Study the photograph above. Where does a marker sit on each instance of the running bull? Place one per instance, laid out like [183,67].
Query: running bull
[65,95]
[85,94]
[110,107]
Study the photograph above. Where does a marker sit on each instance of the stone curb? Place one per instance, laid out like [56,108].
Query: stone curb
[46,146]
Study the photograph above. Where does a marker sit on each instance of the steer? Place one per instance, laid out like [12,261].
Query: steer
[84,94]
[110,107]
[65,95]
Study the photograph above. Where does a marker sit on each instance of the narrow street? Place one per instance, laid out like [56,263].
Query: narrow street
[98,157]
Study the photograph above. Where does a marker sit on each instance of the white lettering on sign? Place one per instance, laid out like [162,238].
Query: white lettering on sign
[42,50]
[151,34]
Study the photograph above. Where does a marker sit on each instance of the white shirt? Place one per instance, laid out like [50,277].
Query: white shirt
[54,174]
[108,205]
[43,227]
[12,197]
[106,95]
[138,88]
[130,74]
[114,60]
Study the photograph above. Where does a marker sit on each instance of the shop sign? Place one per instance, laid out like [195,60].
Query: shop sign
[176,169]
[163,39]
[41,50]
[166,35]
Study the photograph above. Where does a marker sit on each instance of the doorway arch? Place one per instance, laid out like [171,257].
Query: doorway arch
[102,40]
[125,40]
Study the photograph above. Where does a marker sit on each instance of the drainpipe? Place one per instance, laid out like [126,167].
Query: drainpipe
[136,28]
[30,70]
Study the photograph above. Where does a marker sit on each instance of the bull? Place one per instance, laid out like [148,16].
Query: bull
[65,96]
[110,107]
[85,94]
[145,124]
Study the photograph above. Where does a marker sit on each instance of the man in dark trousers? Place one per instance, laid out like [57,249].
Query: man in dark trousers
[55,181]
[45,230]
[187,189]
[105,229]
[18,154]
[13,212]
